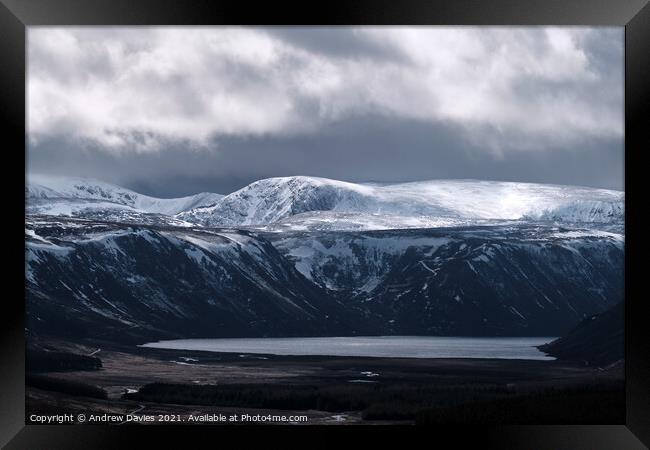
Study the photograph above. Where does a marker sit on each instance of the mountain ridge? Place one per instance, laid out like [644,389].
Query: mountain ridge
[78,189]
[315,203]
[273,200]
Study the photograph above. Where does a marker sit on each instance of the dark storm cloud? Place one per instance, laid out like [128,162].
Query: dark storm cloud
[368,149]
[172,112]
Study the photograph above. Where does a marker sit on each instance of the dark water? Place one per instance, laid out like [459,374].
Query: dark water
[377,346]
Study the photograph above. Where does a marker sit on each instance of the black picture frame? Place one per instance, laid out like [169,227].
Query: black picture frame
[16,15]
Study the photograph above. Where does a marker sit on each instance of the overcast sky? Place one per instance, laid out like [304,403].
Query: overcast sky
[174,111]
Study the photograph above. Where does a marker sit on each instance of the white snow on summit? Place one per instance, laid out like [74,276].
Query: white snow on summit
[65,195]
[319,204]
[448,202]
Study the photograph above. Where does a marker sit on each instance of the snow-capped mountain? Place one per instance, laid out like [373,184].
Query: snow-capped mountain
[304,256]
[317,204]
[71,195]
[409,205]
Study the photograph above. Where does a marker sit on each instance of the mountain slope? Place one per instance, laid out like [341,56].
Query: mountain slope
[145,282]
[518,280]
[120,281]
[597,340]
[272,200]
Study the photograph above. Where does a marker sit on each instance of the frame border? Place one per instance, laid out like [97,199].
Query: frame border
[634,15]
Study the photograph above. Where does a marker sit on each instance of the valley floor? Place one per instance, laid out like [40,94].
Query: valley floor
[333,390]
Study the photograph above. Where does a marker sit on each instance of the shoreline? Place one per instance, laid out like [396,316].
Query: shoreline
[127,368]
[411,347]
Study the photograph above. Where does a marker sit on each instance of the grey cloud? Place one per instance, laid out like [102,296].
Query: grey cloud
[365,149]
[252,81]
[146,109]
